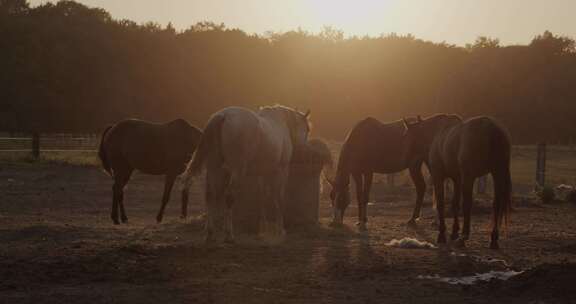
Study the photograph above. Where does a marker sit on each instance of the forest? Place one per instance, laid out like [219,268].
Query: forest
[66,67]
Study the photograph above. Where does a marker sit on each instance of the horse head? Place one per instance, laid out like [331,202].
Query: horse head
[419,134]
[339,199]
[299,125]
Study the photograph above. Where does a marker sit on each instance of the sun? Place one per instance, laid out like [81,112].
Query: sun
[351,16]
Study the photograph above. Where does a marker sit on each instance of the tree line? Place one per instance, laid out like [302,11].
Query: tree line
[66,67]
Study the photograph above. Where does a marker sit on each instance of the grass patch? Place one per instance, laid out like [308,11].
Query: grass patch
[74,158]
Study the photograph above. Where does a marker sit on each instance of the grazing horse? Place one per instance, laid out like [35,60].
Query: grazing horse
[158,149]
[238,143]
[375,147]
[464,151]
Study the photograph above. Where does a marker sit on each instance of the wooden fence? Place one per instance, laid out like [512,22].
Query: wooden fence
[535,165]
[35,144]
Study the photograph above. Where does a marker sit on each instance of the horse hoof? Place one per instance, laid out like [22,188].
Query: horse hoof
[441,239]
[460,243]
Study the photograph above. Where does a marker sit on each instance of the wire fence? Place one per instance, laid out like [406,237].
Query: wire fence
[560,161]
[51,143]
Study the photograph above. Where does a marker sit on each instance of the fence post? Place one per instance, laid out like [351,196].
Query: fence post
[541,166]
[481,185]
[36,145]
[390,179]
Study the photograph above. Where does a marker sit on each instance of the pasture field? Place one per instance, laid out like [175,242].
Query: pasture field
[561,162]
[58,245]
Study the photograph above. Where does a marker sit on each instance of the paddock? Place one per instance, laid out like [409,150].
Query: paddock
[58,246]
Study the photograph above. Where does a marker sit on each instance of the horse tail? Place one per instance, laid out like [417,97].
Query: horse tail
[102,154]
[209,144]
[502,197]
[502,184]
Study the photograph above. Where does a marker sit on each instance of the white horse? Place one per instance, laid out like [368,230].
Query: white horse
[237,143]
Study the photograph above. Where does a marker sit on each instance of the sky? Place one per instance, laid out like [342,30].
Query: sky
[453,21]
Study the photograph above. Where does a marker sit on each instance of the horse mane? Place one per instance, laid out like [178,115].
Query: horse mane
[438,121]
[285,110]
[442,116]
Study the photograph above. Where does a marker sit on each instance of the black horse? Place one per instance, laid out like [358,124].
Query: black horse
[157,149]
[463,151]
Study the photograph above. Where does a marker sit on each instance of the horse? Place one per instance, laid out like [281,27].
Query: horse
[157,149]
[238,143]
[463,151]
[375,147]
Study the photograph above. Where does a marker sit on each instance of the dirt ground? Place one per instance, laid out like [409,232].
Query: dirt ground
[58,245]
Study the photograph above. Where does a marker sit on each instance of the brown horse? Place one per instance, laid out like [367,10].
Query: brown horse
[462,152]
[375,147]
[157,149]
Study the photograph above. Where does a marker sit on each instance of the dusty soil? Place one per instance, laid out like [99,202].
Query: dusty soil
[58,246]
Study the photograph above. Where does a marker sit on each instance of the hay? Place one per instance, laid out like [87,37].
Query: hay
[474,279]
[410,243]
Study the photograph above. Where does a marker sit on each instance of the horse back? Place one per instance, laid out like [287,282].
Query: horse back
[373,146]
[477,146]
[239,138]
[149,147]
[483,142]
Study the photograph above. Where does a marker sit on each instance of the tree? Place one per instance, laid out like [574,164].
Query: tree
[551,44]
[13,7]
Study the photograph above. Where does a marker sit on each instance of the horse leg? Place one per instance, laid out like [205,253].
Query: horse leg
[498,184]
[186,184]
[439,197]
[265,191]
[360,198]
[123,216]
[467,189]
[232,192]
[279,201]
[368,177]
[121,178]
[168,184]
[215,188]
[457,193]
[420,184]
[184,212]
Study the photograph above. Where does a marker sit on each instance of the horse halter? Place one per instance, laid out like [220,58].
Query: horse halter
[408,125]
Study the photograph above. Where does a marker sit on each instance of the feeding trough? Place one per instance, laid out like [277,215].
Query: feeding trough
[302,197]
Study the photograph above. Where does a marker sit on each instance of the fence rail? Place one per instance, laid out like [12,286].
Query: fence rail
[532,166]
[50,143]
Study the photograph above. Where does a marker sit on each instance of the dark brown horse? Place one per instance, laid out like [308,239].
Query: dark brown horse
[462,152]
[375,147]
[158,149]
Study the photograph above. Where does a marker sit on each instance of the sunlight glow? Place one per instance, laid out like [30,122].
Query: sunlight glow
[454,21]
[353,17]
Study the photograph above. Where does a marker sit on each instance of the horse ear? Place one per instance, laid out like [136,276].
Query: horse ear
[307,114]
[406,124]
